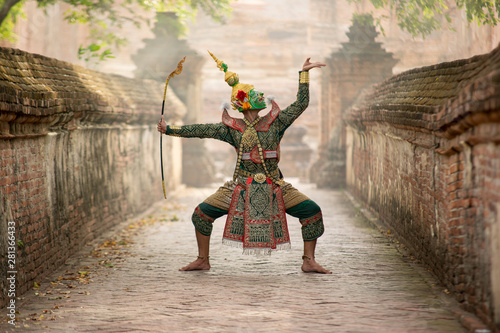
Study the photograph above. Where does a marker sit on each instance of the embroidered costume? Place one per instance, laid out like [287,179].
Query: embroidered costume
[257,197]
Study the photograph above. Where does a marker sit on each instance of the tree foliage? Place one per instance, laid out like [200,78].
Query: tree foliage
[105,18]
[422,17]
[10,12]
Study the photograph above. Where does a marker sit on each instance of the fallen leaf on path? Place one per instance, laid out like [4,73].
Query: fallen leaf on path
[83,273]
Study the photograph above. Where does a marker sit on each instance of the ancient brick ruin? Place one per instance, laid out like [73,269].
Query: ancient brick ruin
[423,153]
[78,154]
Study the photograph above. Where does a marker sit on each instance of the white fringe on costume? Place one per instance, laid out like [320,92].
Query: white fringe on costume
[258,251]
[269,99]
[225,106]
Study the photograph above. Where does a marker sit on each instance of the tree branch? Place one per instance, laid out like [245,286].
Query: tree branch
[4,11]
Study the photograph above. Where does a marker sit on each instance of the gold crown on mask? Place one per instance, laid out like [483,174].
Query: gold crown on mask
[232,80]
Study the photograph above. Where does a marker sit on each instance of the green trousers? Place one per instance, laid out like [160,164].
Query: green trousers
[308,213]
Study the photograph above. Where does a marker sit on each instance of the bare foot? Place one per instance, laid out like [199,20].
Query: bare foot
[197,265]
[311,266]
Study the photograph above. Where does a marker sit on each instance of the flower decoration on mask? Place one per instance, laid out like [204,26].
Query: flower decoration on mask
[241,95]
[242,102]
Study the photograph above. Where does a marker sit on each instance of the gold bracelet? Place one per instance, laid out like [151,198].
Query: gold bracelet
[173,127]
[304,77]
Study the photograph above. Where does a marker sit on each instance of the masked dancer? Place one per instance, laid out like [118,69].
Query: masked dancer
[257,199]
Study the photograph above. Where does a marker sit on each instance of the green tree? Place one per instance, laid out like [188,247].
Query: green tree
[105,17]
[422,17]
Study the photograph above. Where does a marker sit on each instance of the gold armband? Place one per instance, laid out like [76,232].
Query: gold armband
[170,128]
[304,77]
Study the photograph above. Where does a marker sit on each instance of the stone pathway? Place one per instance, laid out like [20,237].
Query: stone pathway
[131,282]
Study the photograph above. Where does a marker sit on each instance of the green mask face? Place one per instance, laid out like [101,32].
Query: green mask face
[256,99]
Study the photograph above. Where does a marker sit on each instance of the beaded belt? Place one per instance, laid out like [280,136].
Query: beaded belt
[260,177]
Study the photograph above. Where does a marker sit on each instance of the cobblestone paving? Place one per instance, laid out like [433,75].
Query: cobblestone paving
[138,288]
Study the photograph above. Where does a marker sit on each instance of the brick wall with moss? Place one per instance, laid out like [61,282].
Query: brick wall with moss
[423,152]
[79,153]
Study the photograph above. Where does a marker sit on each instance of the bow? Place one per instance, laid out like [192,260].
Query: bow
[177,71]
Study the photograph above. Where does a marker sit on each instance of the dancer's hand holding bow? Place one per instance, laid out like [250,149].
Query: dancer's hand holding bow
[162,126]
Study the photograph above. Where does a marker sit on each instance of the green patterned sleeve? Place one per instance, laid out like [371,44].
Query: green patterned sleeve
[217,131]
[287,116]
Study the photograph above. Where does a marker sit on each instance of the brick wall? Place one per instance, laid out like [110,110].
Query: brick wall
[78,154]
[423,152]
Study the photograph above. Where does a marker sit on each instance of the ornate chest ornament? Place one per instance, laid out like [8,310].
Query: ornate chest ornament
[260,178]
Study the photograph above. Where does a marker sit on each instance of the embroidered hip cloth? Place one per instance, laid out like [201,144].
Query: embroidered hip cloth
[256,218]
